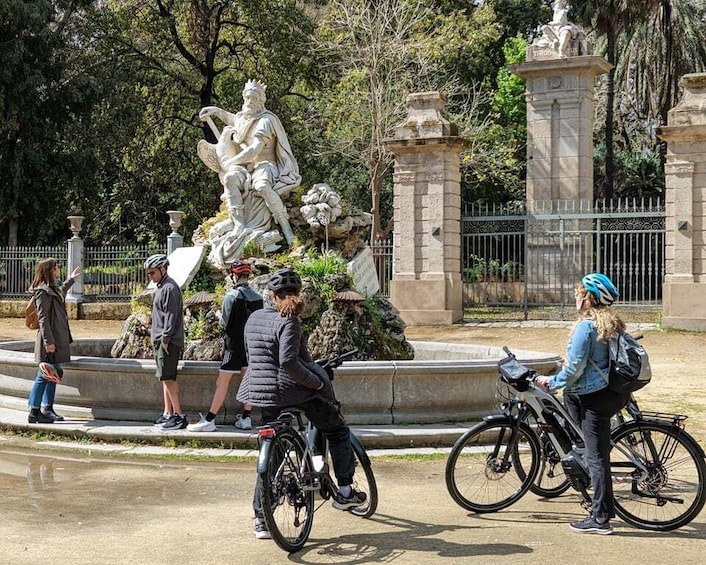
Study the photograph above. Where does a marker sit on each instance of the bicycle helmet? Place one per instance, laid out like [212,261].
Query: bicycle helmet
[601,287]
[240,268]
[156,261]
[285,279]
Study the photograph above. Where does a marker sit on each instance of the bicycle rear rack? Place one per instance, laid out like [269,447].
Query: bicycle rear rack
[675,419]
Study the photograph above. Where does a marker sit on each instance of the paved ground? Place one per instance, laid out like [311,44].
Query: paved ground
[87,506]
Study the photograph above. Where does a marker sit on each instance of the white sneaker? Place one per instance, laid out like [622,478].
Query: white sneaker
[260,530]
[203,425]
[243,423]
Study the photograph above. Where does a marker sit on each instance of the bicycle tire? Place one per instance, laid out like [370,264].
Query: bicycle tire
[476,476]
[288,509]
[672,493]
[551,480]
[365,483]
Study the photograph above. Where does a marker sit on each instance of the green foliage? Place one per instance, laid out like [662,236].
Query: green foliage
[219,293]
[196,328]
[315,267]
[637,173]
[135,305]
[509,99]
[206,279]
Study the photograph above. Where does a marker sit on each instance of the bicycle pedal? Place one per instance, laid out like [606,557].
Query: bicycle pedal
[311,481]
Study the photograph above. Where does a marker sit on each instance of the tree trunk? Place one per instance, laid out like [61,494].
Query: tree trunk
[610,97]
[375,193]
[12,229]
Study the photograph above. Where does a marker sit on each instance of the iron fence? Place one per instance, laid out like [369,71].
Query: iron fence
[17,266]
[115,273]
[512,256]
[382,255]
[533,257]
[109,273]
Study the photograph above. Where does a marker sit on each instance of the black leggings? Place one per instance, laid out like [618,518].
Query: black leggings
[593,412]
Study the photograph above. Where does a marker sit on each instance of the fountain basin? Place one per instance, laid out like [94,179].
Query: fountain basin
[444,383]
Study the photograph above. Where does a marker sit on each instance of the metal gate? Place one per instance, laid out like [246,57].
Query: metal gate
[530,258]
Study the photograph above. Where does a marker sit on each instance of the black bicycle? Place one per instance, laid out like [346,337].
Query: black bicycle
[293,464]
[658,469]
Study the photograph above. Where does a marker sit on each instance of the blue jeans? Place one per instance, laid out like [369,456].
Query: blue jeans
[328,419]
[43,392]
[594,411]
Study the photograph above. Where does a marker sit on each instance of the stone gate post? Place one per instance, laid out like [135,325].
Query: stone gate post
[426,285]
[684,290]
[559,93]
[75,259]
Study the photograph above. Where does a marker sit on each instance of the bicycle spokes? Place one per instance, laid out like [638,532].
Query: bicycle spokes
[658,476]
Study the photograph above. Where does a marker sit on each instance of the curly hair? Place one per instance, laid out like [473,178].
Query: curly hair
[288,303]
[606,320]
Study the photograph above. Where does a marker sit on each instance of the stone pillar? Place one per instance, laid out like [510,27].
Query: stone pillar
[75,259]
[684,290]
[560,105]
[426,285]
[174,239]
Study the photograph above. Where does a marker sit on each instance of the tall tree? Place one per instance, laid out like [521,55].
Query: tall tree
[608,18]
[666,45]
[176,56]
[377,53]
[39,99]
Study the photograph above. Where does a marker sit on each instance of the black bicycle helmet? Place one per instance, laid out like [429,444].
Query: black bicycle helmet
[156,261]
[285,279]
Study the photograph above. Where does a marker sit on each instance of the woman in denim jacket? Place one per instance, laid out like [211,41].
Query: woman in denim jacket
[586,392]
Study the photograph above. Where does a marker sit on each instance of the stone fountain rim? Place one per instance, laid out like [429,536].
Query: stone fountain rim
[483,355]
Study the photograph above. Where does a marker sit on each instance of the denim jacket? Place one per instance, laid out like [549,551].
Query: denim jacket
[578,375]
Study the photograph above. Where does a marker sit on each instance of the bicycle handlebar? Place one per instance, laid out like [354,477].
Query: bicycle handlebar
[336,361]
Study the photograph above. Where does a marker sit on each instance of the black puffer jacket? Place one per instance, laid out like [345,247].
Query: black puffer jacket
[280,369]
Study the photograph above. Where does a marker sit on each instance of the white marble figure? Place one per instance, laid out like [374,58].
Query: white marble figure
[560,35]
[322,206]
[256,167]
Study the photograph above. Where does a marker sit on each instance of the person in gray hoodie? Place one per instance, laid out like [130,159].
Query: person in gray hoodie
[167,335]
[52,347]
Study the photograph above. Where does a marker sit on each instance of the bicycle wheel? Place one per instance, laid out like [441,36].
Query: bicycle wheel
[551,480]
[669,492]
[364,481]
[288,508]
[482,468]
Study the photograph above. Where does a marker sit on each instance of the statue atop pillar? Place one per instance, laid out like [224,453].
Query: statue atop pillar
[560,38]
[257,169]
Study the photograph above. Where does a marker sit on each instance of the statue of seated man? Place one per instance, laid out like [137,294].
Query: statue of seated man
[253,158]
[560,34]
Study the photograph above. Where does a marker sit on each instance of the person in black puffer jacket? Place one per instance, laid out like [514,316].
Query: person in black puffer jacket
[281,374]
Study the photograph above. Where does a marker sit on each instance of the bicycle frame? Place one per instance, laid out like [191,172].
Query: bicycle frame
[540,403]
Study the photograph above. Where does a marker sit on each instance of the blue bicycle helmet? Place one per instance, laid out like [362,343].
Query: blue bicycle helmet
[601,287]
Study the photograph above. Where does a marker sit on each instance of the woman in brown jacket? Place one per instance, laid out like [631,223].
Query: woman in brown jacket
[52,347]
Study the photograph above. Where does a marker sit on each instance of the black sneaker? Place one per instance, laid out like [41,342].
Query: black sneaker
[53,415]
[39,418]
[590,525]
[341,502]
[161,420]
[175,422]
